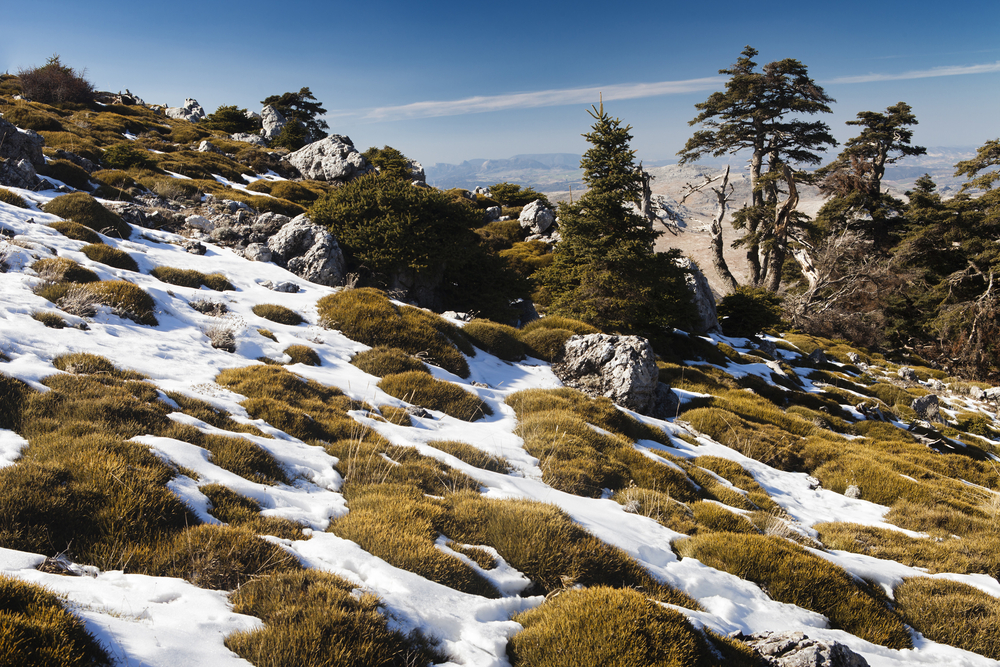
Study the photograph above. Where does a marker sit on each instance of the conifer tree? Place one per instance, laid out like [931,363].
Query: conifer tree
[605,271]
[299,111]
[759,112]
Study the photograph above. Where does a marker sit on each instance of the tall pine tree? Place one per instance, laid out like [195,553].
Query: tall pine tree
[605,270]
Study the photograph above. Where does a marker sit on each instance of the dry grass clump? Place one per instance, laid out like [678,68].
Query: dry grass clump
[608,626]
[237,455]
[546,344]
[209,307]
[13,395]
[266,333]
[222,336]
[739,477]
[12,198]
[191,278]
[105,254]
[367,316]
[791,574]
[303,354]
[76,231]
[472,456]
[84,209]
[394,415]
[37,630]
[62,269]
[279,314]
[51,320]
[126,300]
[421,389]
[210,415]
[713,516]
[951,613]
[500,340]
[67,172]
[312,619]
[558,322]
[658,506]
[763,442]
[85,363]
[382,361]
[237,510]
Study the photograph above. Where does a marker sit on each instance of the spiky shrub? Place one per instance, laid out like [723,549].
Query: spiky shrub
[303,354]
[512,194]
[191,278]
[382,361]
[126,299]
[951,613]
[279,314]
[367,316]
[499,340]
[61,269]
[421,389]
[793,575]
[55,83]
[391,163]
[608,626]
[527,257]
[51,320]
[37,630]
[12,198]
[84,209]
[104,254]
[546,344]
[312,619]
[76,231]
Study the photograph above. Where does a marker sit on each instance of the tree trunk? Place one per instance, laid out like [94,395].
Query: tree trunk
[782,219]
[718,259]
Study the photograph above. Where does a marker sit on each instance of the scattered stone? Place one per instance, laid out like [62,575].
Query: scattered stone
[975,393]
[853,491]
[21,174]
[207,146]
[417,411]
[195,248]
[536,217]
[623,368]
[126,99]
[417,172]
[767,346]
[795,649]
[78,160]
[461,317]
[308,251]
[992,394]
[854,358]
[701,296]
[927,407]
[333,159]
[286,287]
[493,213]
[257,252]
[818,356]
[255,139]
[191,111]
[908,374]
[936,385]
[272,122]
[17,144]
[200,222]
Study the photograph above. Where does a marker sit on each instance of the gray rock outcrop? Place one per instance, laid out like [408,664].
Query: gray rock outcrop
[254,139]
[908,374]
[191,111]
[701,296]
[333,159]
[17,144]
[308,251]
[795,649]
[623,368]
[21,174]
[272,122]
[417,172]
[536,217]
[927,407]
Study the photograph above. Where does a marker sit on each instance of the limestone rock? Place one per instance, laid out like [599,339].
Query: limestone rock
[623,368]
[536,217]
[191,111]
[908,374]
[309,251]
[767,346]
[17,144]
[257,252]
[208,147]
[255,139]
[818,356]
[200,222]
[992,394]
[795,649]
[78,160]
[20,174]
[417,172]
[272,122]
[333,159]
[975,393]
[927,407]
[493,213]
[701,296]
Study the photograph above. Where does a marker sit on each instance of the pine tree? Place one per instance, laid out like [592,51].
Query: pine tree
[298,110]
[755,113]
[605,270]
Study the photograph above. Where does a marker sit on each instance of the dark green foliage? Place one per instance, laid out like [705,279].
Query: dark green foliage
[303,125]
[14,199]
[499,340]
[391,163]
[749,311]
[512,194]
[111,256]
[126,156]
[55,83]
[231,120]
[279,314]
[84,209]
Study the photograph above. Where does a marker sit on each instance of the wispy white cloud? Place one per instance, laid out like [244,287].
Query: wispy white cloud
[957,70]
[541,98]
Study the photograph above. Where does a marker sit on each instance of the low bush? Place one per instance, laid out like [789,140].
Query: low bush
[116,178]
[61,269]
[367,316]
[105,254]
[559,322]
[36,629]
[303,354]
[12,198]
[395,415]
[659,507]
[546,344]
[473,456]
[222,336]
[951,613]
[76,231]
[527,257]
[55,83]
[749,311]
[607,626]
[421,389]
[267,334]
[67,172]
[209,307]
[126,300]
[512,194]
[382,361]
[51,320]
[499,340]
[279,314]
[85,210]
[791,574]
[313,619]
[191,278]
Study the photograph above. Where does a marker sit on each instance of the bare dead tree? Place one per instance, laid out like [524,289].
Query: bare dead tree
[723,192]
[646,197]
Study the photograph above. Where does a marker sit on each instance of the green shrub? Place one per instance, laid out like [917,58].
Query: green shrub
[367,316]
[36,629]
[951,613]
[421,389]
[126,299]
[546,344]
[303,354]
[51,320]
[293,192]
[61,269]
[512,194]
[390,162]
[191,278]
[382,361]
[76,231]
[558,322]
[84,209]
[55,83]
[104,254]
[499,340]
[500,235]
[231,120]
[312,619]
[527,257]
[12,198]
[279,314]
[749,311]
[67,172]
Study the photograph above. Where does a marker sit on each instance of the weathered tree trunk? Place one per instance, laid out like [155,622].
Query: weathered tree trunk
[718,258]
[753,223]
[782,219]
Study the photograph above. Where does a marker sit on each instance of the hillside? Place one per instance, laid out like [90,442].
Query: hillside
[213,460]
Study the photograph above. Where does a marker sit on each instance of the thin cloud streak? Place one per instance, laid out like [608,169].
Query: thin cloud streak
[541,98]
[957,70]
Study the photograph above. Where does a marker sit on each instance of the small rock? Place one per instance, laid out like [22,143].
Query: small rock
[853,491]
[191,111]
[257,252]
[623,368]
[286,287]
[333,159]
[908,374]
[927,407]
[272,122]
[199,222]
[818,356]
[536,217]
[767,346]
[255,139]
[493,213]
[854,358]
[795,649]
[975,393]
[992,394]
[207,146]
[195,248]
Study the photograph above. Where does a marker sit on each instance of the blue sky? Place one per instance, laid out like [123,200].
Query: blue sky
[449,81]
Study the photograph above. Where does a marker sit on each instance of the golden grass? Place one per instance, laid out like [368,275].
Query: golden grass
[660,507]
[237,510]
[84,363]
[382,361]
[126,300]
[472,456]
[500,340]
[303,354]
[75,231]
[113,257]
[279,314]
[62,269]
[419,388]
[51,320]
[191,278]
[87,211]
[951,613]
